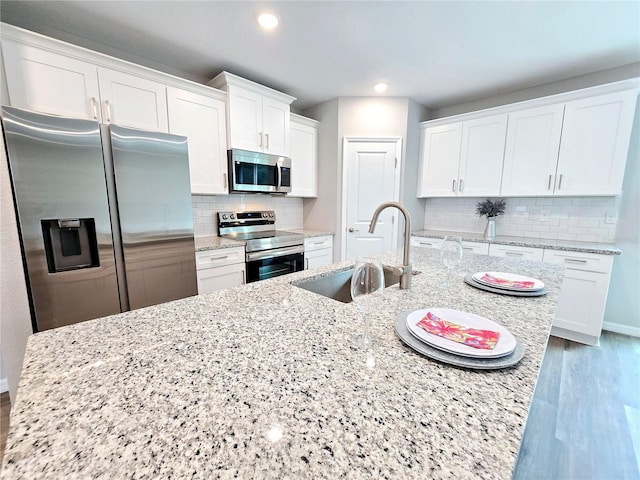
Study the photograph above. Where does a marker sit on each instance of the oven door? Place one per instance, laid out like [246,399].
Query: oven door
[275,262]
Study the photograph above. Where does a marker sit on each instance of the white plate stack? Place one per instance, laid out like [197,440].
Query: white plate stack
[507,283]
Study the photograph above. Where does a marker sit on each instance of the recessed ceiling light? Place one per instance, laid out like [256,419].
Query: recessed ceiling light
[268,20]
[380,87]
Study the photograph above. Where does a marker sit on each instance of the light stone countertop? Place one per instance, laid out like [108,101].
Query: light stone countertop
[310,233]
[201,387]
[566,245]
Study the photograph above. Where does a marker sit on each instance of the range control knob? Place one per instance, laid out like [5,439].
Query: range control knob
[232,216]
[264,214]
[224,216]
[271,214]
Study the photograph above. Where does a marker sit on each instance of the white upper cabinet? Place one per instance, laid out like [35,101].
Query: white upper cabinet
[440,156]
[481,156]
[531,151]
[595,143]
[132,101]
[258,118]
[47,82]
[569,144]
[201,119]
[463,158]
[304,157]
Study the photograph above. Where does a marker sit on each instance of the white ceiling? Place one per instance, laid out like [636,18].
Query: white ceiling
[437,52]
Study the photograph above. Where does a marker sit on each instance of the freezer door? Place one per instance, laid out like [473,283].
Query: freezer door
[156,220]
[58,179]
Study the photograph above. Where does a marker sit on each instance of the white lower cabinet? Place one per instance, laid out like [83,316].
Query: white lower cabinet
[514,251]
[467,246]
[219,269]
[318,252]
[583,296]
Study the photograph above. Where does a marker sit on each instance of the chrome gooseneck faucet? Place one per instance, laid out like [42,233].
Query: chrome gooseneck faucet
[405,270]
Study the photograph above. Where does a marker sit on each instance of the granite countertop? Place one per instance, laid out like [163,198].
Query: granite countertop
[566,245]
[215,242]
[259,381]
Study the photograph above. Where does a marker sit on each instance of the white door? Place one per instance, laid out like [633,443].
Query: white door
[276,127]
[594,144]
[132,101]
[531,151]
[440,159]
[202,120]
[47,82]
[371,168]
[481,156]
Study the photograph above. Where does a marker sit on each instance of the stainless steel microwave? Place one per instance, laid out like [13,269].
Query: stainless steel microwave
[254,172]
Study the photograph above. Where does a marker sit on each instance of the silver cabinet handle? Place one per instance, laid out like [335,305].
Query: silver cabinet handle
[560,182]
[244,278]
[215,259]
[267,137]
[351,229]
[453,185]
[460,186]
[94,106]
[575,260]
[224,181]
[549,183]
[306,263]
[260,139]
[514,254]
[108,105]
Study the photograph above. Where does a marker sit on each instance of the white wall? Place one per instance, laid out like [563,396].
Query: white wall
[623,307]
[623,304]
[360,117]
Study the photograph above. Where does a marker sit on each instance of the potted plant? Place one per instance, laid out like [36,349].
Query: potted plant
[491,209]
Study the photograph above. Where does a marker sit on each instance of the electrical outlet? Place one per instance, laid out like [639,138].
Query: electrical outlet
[545,215]
[610,218]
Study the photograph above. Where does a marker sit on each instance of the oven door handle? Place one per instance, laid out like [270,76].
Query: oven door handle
[278,252]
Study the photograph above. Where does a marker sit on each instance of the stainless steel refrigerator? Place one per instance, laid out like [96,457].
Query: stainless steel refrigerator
[104,215]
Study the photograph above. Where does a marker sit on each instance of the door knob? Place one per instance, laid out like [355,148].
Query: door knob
[351,230]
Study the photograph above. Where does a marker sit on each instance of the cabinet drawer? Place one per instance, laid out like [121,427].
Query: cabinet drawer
[425,242]
[219,257]
[318,243]
[475,247]
[588,262]
[219,278]
[512,251]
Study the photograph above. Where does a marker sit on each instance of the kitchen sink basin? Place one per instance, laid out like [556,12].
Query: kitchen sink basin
[338,285]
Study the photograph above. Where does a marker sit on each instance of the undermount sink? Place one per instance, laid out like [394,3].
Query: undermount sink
[338,285]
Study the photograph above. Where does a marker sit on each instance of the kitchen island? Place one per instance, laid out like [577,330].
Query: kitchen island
[260,381]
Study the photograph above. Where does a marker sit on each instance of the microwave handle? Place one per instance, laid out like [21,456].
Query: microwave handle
[279,180]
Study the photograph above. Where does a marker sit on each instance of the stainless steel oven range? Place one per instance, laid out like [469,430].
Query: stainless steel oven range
[269,252]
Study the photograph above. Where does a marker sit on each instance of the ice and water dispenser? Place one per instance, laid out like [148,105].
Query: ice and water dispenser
[70,244]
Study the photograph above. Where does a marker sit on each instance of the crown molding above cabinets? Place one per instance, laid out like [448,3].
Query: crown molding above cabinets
[571,144]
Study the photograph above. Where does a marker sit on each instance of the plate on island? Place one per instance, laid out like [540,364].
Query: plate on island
[468,279]
[508,281]
[504,346]
[428,351]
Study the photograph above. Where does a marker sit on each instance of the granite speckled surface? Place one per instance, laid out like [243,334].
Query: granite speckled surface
[259,381]
[204,244]
[310,233]
[566,245]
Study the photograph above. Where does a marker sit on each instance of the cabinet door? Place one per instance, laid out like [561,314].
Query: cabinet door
[482,156]
[218,278]
[276,127]
[440,156]
[514,251]
[132,101]
[304,161]
[47,82]
[202,120]
[531,151]
[318,258]
[245,119]
[582,301]
[595,143]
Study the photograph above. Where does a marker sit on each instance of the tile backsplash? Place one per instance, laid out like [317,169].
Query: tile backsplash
[205,208]
[589,219]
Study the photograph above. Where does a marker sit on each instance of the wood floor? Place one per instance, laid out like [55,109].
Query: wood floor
[584,421]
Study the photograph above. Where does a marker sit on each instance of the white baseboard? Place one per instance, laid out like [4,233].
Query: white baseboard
[619,328]
[4,385]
